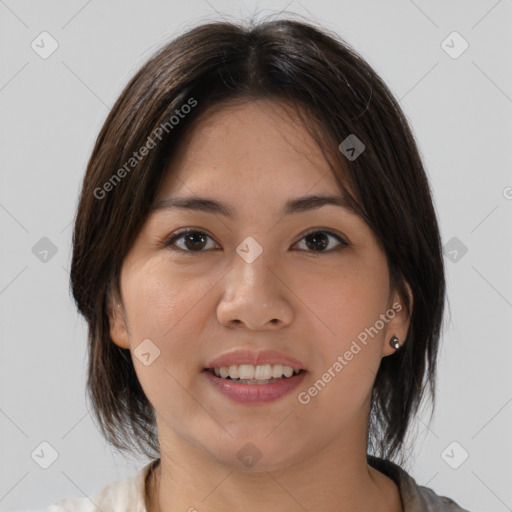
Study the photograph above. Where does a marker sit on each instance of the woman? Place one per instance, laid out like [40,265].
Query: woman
[257,255]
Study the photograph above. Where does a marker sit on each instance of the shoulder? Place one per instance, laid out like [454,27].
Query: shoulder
[435,502]
[120,496]
[415,498]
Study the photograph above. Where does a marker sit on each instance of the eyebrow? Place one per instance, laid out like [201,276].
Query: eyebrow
[296,205]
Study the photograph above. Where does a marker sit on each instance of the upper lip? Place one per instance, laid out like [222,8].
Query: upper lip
[237,357]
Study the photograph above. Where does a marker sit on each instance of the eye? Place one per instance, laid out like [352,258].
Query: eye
[318,240]
[193,241]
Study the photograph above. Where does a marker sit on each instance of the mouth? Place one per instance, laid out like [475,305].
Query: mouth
[254,375]
[250,384]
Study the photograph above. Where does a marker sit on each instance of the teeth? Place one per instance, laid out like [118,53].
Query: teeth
[277,371]
[250,372]
[263,372]
[233,371]
[245,372]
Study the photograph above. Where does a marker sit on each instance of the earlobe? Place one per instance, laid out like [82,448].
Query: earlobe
[398,325]
[392,344]
[118,329]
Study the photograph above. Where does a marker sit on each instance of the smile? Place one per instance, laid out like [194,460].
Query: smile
[249,384]
[249,372]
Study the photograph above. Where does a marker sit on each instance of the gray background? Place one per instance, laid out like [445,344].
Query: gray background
[51,111]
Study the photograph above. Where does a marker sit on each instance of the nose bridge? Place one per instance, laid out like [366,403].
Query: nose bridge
[251,267]
[253,294]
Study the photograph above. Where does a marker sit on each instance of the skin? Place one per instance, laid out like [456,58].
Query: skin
[293,298]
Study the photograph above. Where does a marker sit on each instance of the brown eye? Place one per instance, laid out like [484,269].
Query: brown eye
[191,241]
[317,241]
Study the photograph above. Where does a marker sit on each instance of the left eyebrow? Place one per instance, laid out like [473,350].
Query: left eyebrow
[292,206]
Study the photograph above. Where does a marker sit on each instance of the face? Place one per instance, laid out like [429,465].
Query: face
[311,284]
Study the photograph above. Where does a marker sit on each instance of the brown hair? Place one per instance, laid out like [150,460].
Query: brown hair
[336,93]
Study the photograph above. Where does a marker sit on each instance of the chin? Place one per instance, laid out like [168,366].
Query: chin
[255,454]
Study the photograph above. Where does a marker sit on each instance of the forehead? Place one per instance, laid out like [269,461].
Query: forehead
[246,149]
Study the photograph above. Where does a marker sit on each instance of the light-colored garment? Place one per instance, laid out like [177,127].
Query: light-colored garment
[128,495]
[120,496]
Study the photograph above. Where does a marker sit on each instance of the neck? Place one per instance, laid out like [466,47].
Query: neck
[186,484]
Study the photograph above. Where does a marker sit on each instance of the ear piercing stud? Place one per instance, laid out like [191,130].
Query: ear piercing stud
[394,342]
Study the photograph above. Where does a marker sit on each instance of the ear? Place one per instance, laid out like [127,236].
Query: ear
[399,320]
[118,325]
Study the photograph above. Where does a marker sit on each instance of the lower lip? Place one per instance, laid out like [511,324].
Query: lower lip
[255,393]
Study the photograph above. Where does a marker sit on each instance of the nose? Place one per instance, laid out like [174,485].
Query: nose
[255,295]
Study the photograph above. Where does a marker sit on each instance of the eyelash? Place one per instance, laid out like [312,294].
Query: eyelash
[168,242]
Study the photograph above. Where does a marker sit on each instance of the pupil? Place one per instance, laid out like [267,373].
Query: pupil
[318,238]
[196,238]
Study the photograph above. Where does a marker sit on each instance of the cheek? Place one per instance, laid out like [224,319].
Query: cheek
[162,301]
[346,311]
[169,309]
[341,383]
[347,305]
[163,308]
